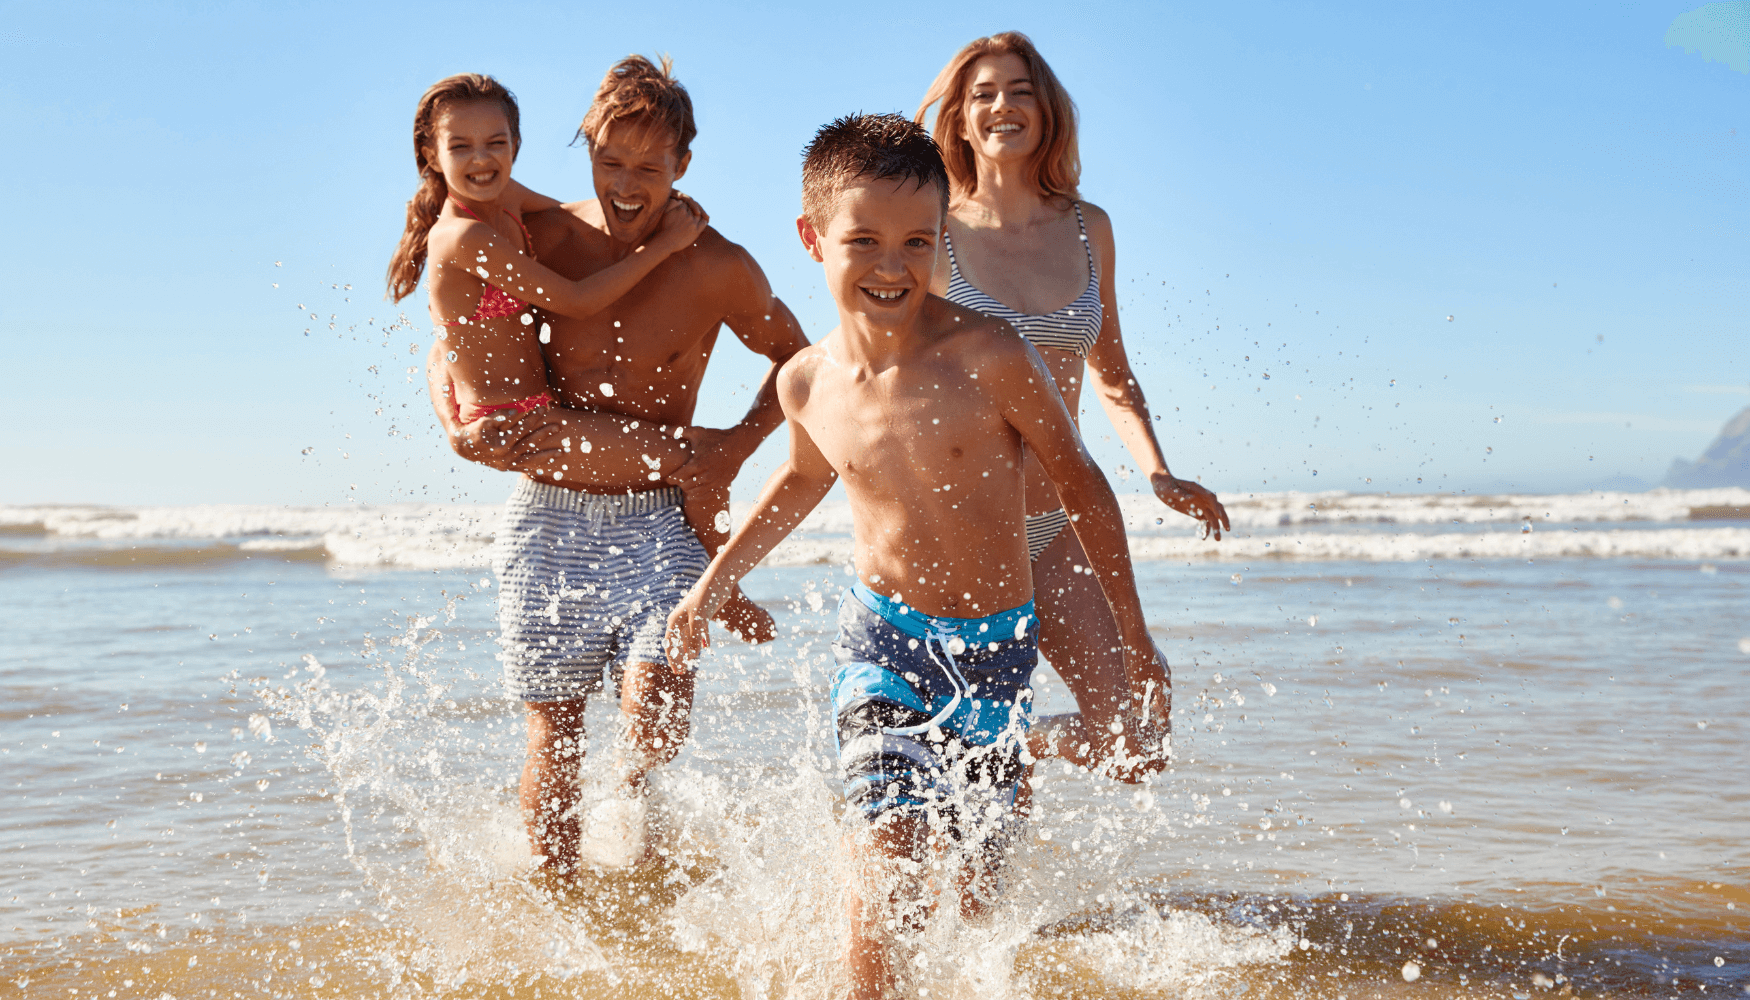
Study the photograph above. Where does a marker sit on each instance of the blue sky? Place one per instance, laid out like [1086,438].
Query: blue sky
[1304,193]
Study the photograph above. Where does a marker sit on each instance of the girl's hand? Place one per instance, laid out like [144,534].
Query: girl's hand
[682,222]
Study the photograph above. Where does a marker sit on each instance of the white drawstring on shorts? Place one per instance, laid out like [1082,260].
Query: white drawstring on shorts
[951,670]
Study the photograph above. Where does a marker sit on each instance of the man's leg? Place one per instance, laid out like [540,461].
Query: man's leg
[550,784]
[656,706]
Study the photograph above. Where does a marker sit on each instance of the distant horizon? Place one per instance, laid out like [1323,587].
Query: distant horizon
[1423,248]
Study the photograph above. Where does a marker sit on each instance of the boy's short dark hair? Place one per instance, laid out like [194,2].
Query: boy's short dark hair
[861,145]
[637,89]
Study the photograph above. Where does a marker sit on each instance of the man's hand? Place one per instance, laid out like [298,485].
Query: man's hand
[1194,501]
[716,458]
[688,634]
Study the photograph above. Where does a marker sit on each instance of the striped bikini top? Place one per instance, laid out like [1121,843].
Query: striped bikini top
[1074,328]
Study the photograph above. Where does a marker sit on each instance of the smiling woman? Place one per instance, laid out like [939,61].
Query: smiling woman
[1022,247]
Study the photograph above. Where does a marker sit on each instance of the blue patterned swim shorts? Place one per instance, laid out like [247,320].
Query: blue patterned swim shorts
[932,713]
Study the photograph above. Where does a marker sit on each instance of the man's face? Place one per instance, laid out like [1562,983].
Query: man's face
[879,248]
[635,167]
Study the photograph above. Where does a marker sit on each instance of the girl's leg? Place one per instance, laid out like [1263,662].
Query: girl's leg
[559,445]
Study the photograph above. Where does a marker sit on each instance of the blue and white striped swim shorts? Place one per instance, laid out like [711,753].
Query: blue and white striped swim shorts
[586,583]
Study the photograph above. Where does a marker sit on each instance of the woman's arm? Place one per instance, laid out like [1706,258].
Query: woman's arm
[479,250]
[1113,380]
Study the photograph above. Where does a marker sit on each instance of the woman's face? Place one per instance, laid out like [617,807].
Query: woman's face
[1003,118]
[473,149]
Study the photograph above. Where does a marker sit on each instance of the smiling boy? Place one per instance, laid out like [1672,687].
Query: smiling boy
[925,410]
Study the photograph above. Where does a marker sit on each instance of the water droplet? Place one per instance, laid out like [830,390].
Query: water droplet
[451,356]
[546,334]
[1412,972]
[200,747]
[606,388]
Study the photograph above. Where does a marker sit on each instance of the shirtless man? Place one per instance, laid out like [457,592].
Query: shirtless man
[589,573]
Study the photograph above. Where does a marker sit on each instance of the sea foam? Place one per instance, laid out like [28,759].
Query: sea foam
[1300,526]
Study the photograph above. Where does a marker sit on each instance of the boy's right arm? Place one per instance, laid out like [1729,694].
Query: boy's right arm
[794,489]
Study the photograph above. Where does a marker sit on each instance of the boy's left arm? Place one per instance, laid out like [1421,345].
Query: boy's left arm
[1034,408]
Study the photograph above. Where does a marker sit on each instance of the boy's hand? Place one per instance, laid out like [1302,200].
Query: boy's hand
[1143,748]
[1150,682]
[682,222]
[1192,500]
[688,634]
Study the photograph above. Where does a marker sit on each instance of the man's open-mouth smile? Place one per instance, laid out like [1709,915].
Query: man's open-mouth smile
[626,211]
[886,296]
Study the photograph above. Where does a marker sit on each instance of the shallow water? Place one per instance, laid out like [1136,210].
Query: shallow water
[249,771]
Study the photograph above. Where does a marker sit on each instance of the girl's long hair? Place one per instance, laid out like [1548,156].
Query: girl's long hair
[422,212]
[1056,167]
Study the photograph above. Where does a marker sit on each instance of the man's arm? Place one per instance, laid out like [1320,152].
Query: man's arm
[1033,407]
[768,328]
[794,489]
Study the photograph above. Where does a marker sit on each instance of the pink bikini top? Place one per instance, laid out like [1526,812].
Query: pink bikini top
[495,303]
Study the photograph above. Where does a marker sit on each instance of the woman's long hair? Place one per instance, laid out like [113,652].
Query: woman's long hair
[1056,168]
[422,212]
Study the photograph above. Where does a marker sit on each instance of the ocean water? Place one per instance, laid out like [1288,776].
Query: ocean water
[1424,745]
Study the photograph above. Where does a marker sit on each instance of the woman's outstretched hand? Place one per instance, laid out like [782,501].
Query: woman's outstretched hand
[1192,500]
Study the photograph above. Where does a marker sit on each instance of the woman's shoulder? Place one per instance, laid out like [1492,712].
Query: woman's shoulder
[1093,215]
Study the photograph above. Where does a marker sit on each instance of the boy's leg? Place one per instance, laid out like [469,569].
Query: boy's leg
[549,783]
[882,861]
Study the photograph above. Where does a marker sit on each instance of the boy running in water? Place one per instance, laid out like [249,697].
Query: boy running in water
[925,409]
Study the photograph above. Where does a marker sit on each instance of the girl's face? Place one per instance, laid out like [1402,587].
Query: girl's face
[1002,117]
[473,150]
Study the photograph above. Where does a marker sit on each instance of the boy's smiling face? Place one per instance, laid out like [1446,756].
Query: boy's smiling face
[879,248]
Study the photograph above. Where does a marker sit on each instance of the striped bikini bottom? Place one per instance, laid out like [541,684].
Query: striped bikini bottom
[1042,530]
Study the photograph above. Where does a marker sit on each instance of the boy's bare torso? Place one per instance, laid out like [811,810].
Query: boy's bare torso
[931,465]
